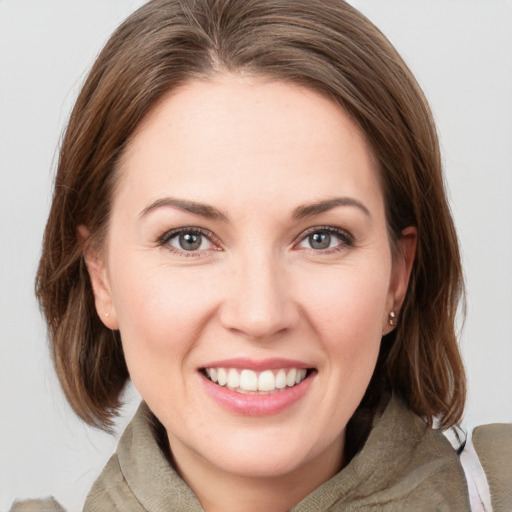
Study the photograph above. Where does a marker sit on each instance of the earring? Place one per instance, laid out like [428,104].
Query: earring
[107,314]
[392,318]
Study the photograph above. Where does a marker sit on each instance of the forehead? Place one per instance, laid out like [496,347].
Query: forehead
[245,135]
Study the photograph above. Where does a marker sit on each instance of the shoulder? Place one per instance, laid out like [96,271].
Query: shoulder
[493,445]
[110,492]
[404,466]
[40,505]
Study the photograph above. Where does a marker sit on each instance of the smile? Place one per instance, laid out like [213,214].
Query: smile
[256,382]
[251,387]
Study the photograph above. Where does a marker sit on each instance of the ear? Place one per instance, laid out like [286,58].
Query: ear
[401,272]
[97,269]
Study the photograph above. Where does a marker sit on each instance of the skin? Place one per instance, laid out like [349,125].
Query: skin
[256,151]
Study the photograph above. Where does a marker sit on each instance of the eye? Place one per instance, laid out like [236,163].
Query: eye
[189,240]
[325,238]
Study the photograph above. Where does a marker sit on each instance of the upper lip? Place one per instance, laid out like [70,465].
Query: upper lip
[243,363]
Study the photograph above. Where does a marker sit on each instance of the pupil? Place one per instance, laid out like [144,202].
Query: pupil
[189,241]
[320,240]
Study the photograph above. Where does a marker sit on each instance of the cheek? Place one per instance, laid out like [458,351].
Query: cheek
[346,311]
[349,302]
[160,311]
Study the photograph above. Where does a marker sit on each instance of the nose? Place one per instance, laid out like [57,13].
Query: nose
[259,302]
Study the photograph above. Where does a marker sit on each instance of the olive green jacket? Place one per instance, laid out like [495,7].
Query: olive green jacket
[404,466]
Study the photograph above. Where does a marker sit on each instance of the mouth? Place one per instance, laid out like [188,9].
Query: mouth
[251,387]
[252,382]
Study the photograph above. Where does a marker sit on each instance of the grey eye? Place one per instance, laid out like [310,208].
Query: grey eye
[323,238]
[189,241]
[319,240]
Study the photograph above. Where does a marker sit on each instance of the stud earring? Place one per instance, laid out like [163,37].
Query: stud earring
[392,318]
[107,314]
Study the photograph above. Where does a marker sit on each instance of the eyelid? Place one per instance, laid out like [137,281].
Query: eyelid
[345,236]
[163,240]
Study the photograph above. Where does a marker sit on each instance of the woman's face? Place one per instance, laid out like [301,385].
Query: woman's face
[248,268]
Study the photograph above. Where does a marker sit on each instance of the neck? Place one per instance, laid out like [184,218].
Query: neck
[221,491]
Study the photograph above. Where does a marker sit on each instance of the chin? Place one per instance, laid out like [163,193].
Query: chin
[272,453]
[254,465]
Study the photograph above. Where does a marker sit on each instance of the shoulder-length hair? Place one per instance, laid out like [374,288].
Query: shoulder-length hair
[324,45]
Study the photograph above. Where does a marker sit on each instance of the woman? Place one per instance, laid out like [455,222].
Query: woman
[249,220]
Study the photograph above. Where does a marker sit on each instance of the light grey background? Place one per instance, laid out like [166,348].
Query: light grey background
[460,51]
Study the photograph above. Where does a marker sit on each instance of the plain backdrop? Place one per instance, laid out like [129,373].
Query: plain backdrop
[461,53]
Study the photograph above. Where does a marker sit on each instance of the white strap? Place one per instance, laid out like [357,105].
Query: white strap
[478,486]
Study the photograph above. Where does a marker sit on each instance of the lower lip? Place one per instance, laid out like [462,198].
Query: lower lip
[257,405]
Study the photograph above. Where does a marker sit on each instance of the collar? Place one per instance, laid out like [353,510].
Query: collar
[403,466]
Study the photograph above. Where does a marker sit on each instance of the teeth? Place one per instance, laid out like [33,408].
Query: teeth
[249,380]
[266,381]
[301,374]
[290,379]
[233,378]
[281,379]
[222,377]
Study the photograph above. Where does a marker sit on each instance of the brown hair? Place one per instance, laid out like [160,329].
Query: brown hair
[325,45]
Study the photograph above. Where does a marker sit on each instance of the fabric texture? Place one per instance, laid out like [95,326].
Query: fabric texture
[478,486]
[493,445]
[403,466]
[40,505]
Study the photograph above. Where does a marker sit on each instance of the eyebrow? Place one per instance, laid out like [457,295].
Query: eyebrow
[201,209]
[209,212]
[310,210]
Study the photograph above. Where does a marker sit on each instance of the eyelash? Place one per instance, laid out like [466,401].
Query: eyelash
[347,240]
[164,240]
